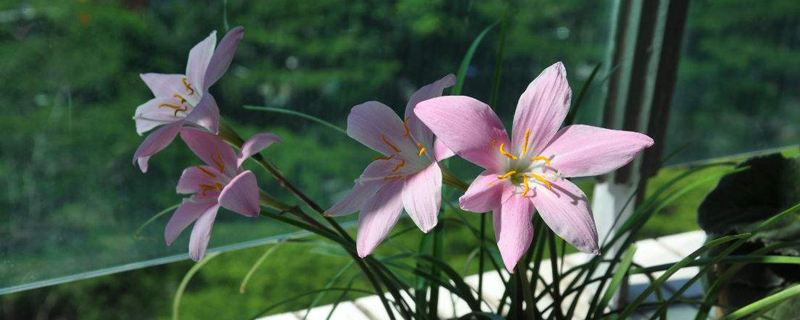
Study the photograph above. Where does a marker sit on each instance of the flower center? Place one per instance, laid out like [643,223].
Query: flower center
[398,155]
[523,172]
[188,86]
[182,105]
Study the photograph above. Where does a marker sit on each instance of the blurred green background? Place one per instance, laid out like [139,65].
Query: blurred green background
[69,70]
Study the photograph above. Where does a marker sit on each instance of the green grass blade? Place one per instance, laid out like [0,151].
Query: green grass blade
[765,304]
[616,281]
[137,234]
[341,296]
[462,70]
[330,284]
[176,301]
[258,263]
[298,114]
[298,296]
[438,248]
[573,112]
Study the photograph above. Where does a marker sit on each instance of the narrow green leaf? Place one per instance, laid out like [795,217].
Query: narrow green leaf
[616,281]
[258,263]
[581,95]
[295,297]
[462,70]
[137,234]
[330,284]
[176,301]
[765,304]
[298,114]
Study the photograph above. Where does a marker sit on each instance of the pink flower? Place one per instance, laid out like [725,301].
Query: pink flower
[407,175]
[181,99]
[528,171]
[219,183]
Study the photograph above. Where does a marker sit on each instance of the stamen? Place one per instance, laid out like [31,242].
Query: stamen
[220,164]
[508,174]
[542,180]
[390,178]
[527,187]
[383,158]
[405,125]
[389,143]
[543,158]
[209,173]
[174,107]
[180,97]
[502,151]
[421,149]
[188,87]
[399,165]
[525,146]
[205,187]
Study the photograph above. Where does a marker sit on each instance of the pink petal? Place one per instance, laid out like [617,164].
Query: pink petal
[566,211]
[378,216]
[468,127]
[542,109]
[199,58]
[422,197]
[441,151]
[371,121]
[152,114]
[484,194]
[420,132]
[223,56]
[187,213]
[211,149]
[580,150]
[356,198]
[513,229]
[254,145]
[193,177]
[201,233]
[380,169]
[241,195]
[155,142]
[164,85]
[205,114]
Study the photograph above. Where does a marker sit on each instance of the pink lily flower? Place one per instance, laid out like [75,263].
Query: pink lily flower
[219,183]
[181,99]
[529,171]
[407,175]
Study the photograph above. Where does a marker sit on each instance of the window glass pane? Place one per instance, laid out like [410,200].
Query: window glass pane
[71,199]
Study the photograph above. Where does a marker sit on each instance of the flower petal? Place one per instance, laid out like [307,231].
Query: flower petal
[441,151]
[193,177]
[201,233]
[254,145]
[211,149]
[580,150]
[205,114]
[199,58]
[371,122]
[223,56]
[187,213]
[468,127]
[378,216]
[356,198]
[513,228]
[566,210]
[484,194]
[422,197]
[155,142]
[164,85]
[542,109]
[241,195]
[418,129]
[153,113]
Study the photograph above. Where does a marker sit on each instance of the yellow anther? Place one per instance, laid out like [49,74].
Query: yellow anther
[508,174]
[179,97]
[542,180]
[220,164]
[503,151]
[188,87]
[209,173]
[525,146]
[421,149]
[527,187]
[383,158]
[399,165]
[543,158]
[389,143]
[174,107]
[405,125]
[205,187]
